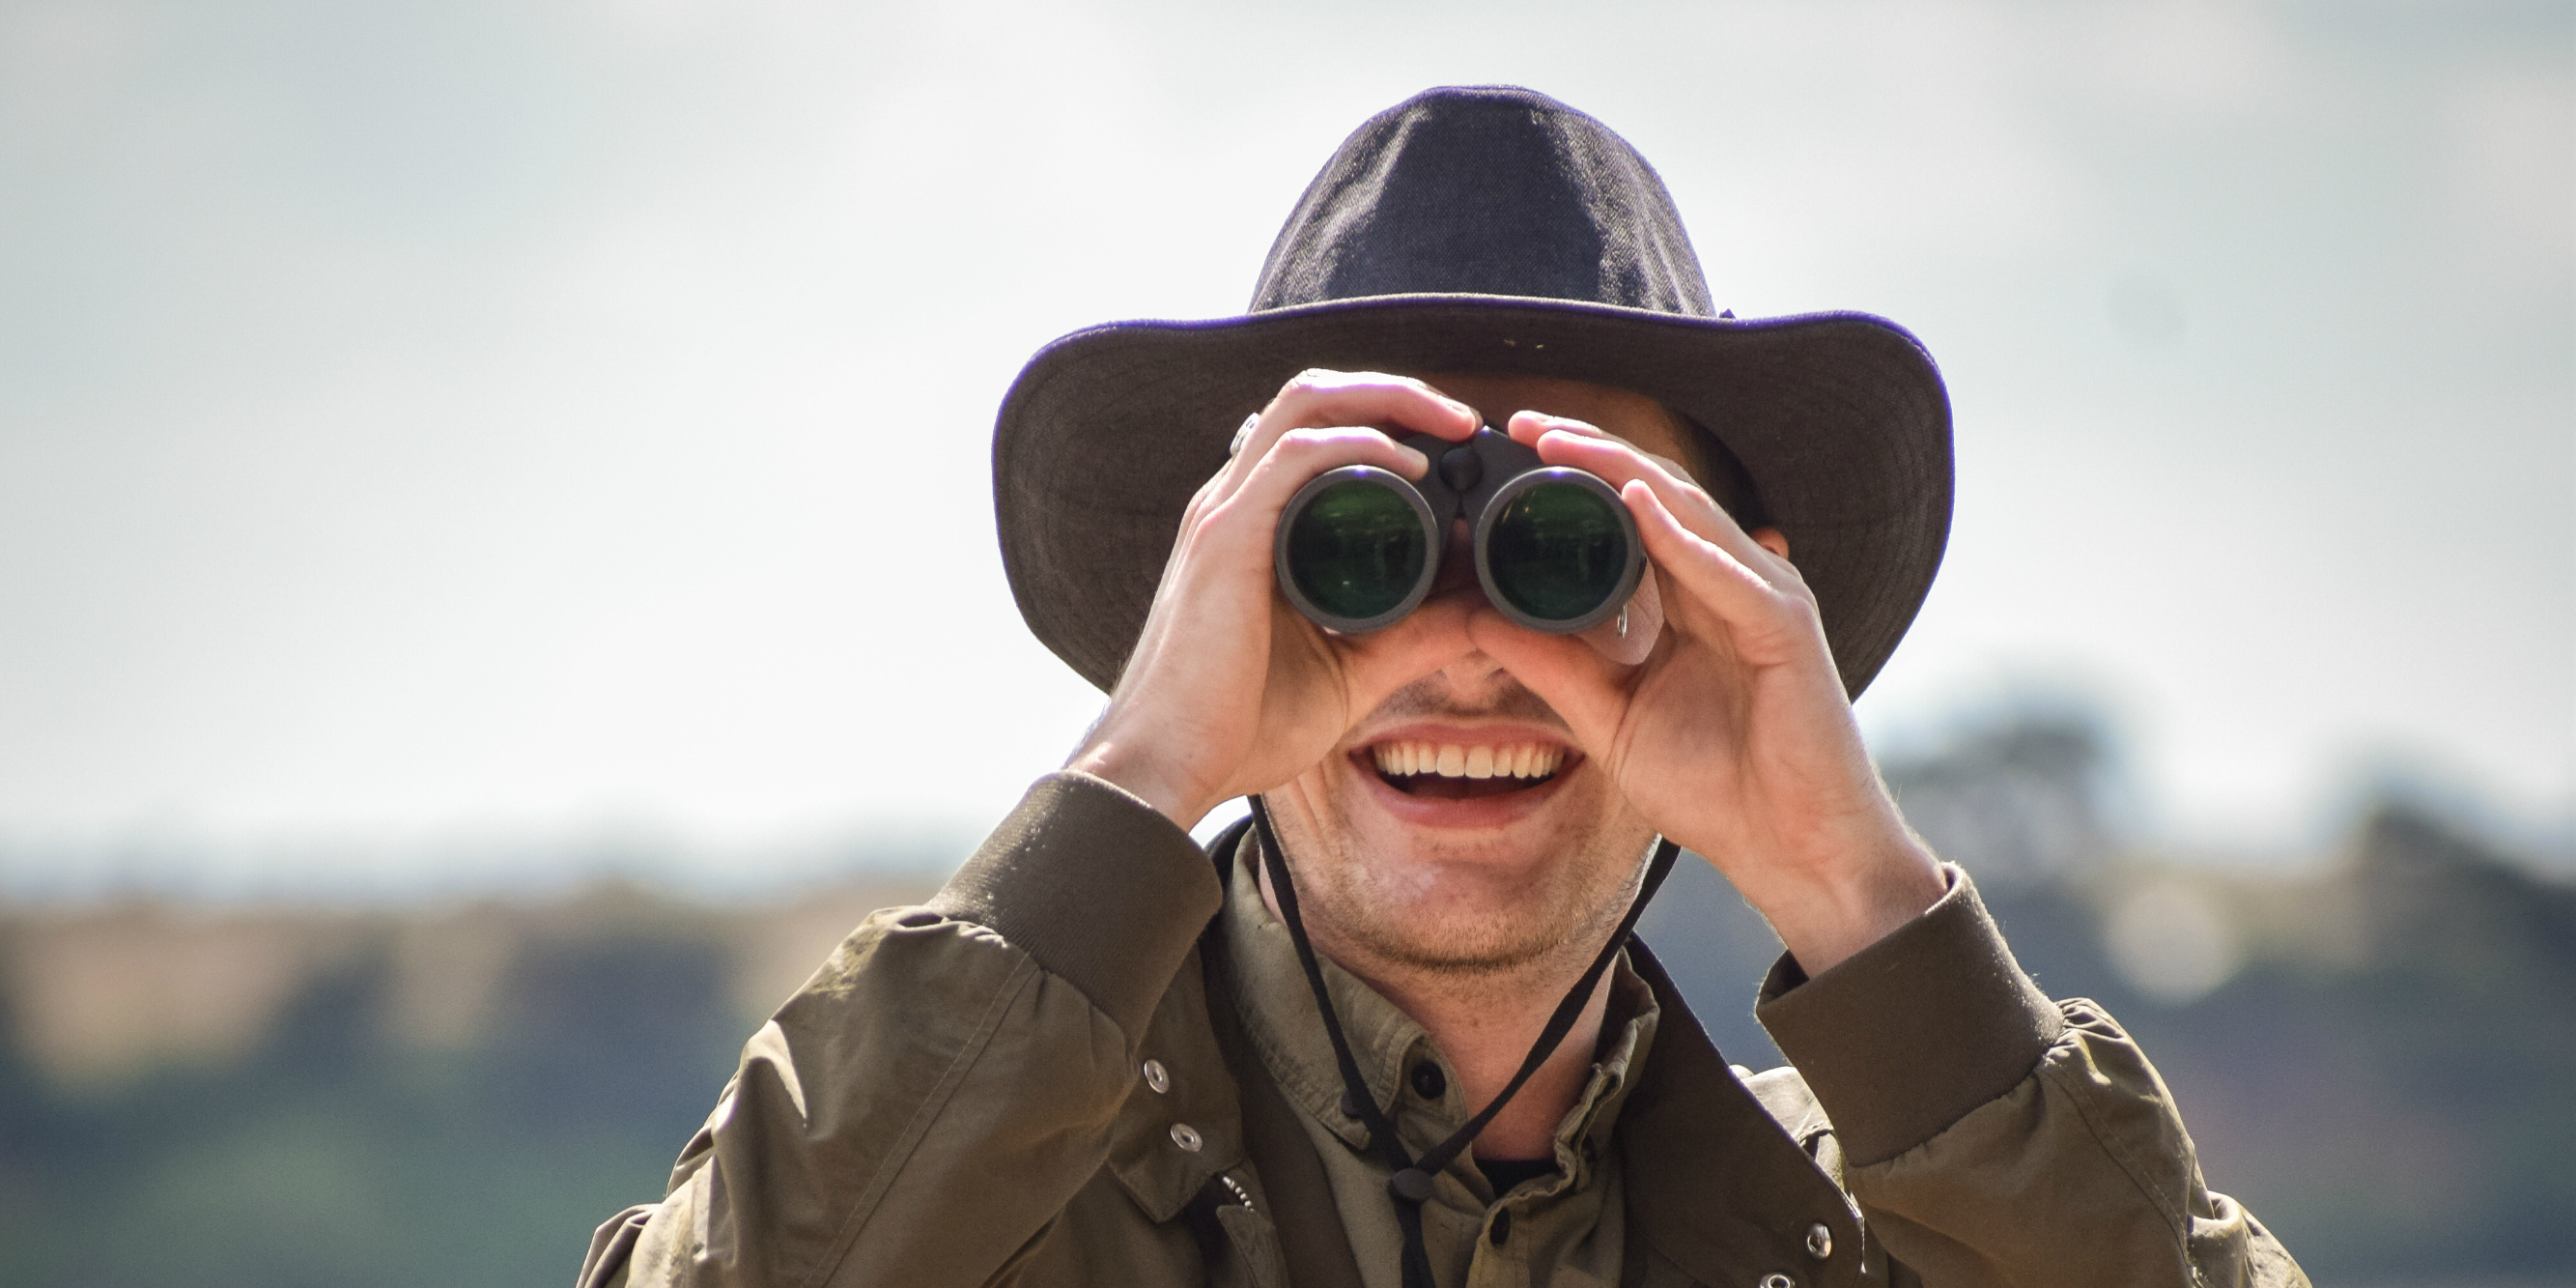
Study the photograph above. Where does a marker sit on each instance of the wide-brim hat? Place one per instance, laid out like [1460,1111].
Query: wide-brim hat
[1488,230]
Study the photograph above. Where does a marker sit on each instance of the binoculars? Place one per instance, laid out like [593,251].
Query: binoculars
[1359,547]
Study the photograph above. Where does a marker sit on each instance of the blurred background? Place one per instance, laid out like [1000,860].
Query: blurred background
[497,571]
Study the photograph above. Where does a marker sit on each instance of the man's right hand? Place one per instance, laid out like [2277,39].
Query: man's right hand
[1231,691]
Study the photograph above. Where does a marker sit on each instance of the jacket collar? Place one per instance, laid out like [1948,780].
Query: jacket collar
[1715,1185]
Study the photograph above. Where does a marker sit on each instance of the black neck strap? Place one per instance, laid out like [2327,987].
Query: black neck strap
[1410,1182]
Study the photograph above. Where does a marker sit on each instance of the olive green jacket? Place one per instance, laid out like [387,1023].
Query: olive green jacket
[962,1096]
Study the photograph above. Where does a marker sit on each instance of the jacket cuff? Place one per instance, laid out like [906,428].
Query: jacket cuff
[1102,890]
[1906,1036]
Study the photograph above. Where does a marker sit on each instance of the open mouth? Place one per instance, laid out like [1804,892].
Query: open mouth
[1458,771]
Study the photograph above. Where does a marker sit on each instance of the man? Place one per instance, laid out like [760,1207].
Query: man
[1393,1033]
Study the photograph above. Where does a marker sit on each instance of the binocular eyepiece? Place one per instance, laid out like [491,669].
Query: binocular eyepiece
[1359,547]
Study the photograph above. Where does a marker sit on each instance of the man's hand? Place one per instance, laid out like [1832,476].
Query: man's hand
[1229,690]
[1733,736]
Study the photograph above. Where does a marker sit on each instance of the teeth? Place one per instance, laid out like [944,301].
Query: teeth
[1453,760]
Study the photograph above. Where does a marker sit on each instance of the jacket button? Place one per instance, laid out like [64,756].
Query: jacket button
[1160,1079]
[1187,1137]
[1777,1280]
[1820,1241]
[1428,1081]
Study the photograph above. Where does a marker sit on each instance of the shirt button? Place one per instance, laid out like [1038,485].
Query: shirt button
[1187,1137]
[1157,1077]
[1820,1241]
[1501,1228]
[1428,1081]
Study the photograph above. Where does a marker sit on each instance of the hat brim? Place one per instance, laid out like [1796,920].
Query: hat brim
[1840,419]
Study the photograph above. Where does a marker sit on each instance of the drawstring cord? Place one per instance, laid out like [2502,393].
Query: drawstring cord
[1410,1182]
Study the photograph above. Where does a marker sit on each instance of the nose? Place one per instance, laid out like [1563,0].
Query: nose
[1458,563]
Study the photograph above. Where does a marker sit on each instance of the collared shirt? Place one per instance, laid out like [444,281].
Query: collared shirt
[1562,1229]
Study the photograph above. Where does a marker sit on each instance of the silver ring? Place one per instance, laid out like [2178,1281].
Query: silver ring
[1242,434]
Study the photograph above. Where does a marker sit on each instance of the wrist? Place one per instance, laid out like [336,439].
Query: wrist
[1123,764]
[1857,904]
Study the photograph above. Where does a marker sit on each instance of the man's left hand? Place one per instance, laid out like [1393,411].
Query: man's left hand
[1733,736]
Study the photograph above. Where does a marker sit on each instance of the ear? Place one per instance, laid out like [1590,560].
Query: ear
[1771,539]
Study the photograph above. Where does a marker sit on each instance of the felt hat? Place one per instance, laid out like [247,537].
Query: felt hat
[1486,229]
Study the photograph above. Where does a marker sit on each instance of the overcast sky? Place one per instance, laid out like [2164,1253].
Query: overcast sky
[492,422]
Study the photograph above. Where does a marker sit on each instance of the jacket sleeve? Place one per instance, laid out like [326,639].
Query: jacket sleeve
[940,1089]
[1993,1137]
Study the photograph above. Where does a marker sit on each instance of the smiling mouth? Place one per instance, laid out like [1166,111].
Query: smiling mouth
[1456,771]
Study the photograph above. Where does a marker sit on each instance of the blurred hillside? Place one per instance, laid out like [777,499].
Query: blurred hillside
[2378,1055]
[324,1098]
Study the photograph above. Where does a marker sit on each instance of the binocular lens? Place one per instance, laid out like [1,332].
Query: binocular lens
[1357,549]
[1358,546]
[1557,551]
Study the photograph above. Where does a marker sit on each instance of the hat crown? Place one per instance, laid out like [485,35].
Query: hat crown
[1486,191]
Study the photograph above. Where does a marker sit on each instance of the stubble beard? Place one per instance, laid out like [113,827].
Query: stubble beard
[1373,919]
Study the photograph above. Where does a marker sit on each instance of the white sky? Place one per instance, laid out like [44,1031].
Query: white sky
[488,423]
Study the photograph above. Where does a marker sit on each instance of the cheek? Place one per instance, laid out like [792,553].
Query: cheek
[1600,810]
[1310,811]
